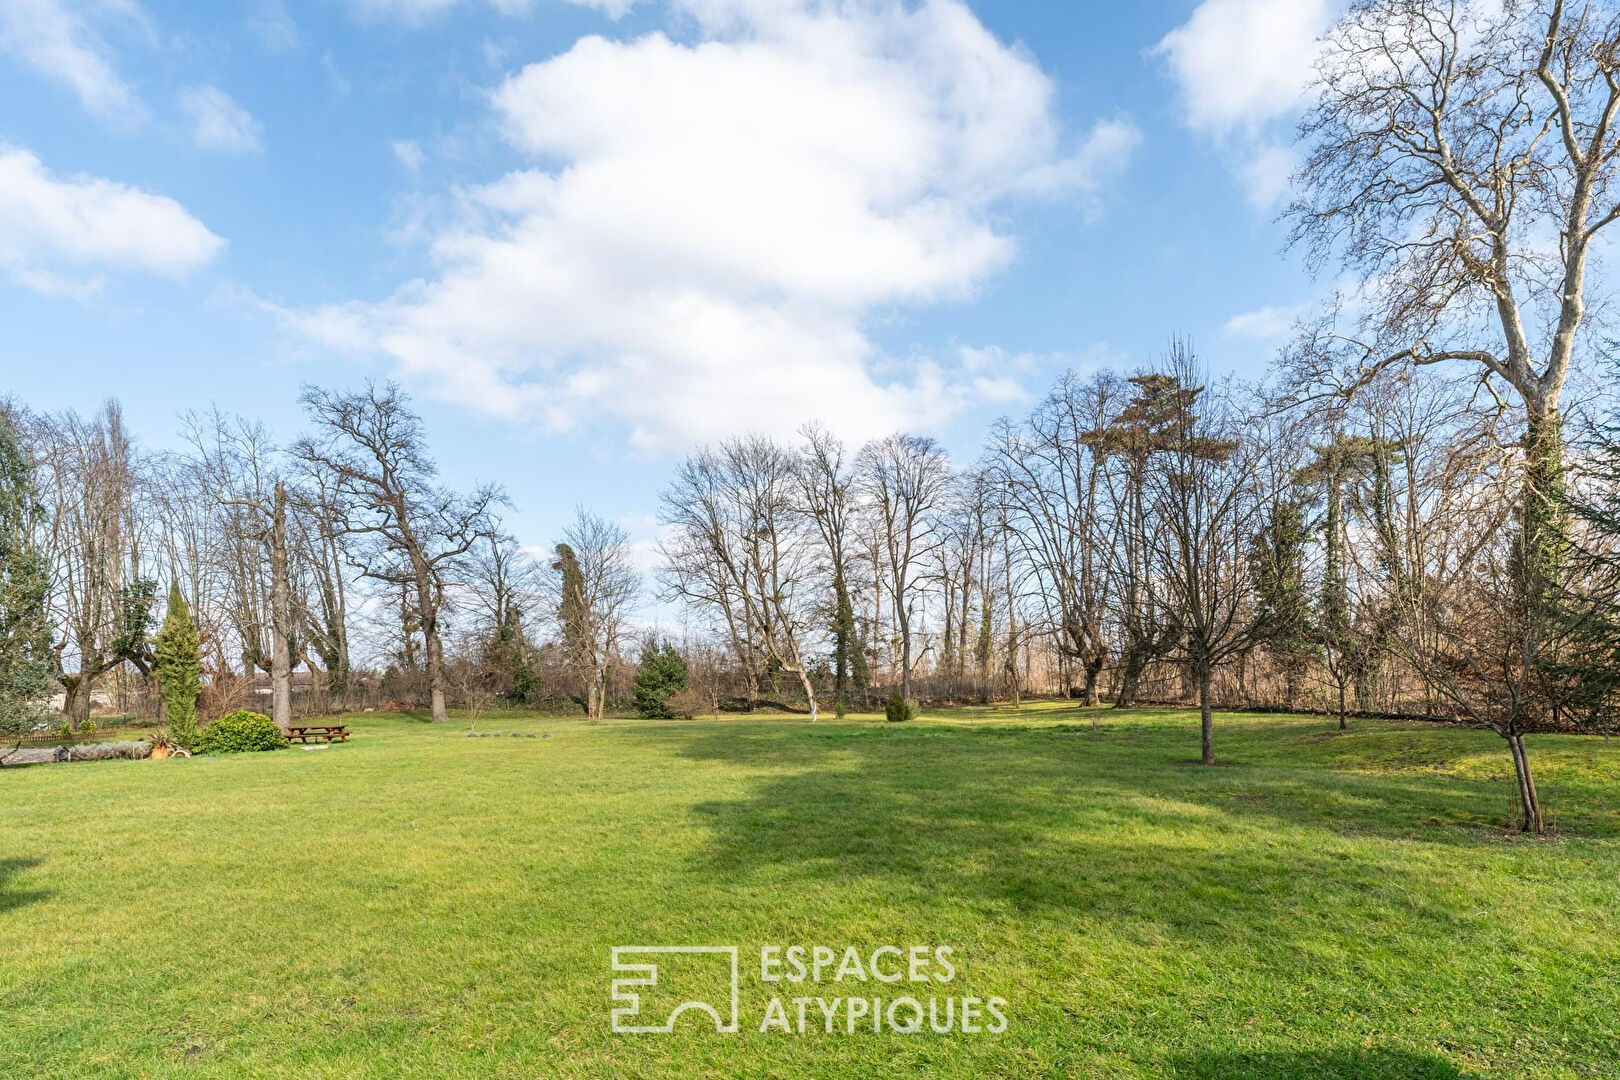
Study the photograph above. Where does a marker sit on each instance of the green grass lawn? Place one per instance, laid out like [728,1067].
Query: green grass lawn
[419,904]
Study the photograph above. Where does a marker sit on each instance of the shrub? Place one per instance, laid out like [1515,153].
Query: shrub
[899,710]
[689,703]
[661,676]
[107,751]
[240,732]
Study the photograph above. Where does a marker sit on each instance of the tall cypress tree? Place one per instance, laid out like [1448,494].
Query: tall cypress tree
[1279,557]
[846,644]
[26,679]
[179,667]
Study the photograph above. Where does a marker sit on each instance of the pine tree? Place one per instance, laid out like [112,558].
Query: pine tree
[1279,556]
[26,680]
[179,667]
[1584,670]
[662,675]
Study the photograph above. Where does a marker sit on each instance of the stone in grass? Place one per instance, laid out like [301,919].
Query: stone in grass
[517,735]
[530,735]
[547,735]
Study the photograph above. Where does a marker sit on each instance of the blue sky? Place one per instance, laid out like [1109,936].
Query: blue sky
[587,234]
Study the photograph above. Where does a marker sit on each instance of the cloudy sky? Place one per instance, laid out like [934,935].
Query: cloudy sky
[588,234]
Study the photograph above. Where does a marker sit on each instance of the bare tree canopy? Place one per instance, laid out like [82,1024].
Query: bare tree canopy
[743,553]
[1461,159]
[905,479]
[386,493]
[592,587]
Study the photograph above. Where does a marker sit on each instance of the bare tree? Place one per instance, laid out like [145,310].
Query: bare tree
[963,529]
[321,558]
[828,493]
[236,460]
[100,595]
[742,552]
[1205,506]
[1051,477]
[904,478]
[1477,641]
[505,584]
[592,586]
[373,447]
[1130,445]
[1462,160]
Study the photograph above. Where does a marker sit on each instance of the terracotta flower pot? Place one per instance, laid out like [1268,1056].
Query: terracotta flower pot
[159,753]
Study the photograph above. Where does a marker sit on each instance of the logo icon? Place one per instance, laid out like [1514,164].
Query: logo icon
[680,963]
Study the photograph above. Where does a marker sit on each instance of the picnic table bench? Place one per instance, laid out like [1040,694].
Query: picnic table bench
[330,732]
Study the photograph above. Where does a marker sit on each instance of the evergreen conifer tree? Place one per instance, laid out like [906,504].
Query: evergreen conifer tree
[26,679]
[662,675]
[179,668]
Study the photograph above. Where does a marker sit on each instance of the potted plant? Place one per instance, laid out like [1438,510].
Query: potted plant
[162,743]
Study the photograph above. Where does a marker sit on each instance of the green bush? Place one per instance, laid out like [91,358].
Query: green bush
[660,677]
[240,732]
[899,710]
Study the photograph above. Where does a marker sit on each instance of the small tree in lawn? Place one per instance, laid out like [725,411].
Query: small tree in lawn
[179,668]
[1205,505]
[662,675]
[26,679]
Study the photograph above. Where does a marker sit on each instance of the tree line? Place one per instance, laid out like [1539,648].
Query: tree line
[1157,537]
[1399,520]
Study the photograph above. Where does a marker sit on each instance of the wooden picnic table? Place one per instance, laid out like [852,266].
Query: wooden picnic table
[330,732]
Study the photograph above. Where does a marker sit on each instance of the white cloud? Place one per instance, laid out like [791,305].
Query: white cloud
[273,27]
[1243,67]
[1265,324]
[1242,63]
[1266,171]
[53,230]
[57,39]
[417,11]
[216,121]
[408,154]
[708,226]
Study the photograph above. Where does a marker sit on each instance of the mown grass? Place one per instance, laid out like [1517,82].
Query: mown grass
[419,904]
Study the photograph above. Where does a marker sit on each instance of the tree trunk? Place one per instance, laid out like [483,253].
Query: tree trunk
[1542,515]
[1341,706]
[1206,719]
[435,674]
[280,616]
[76,699]
[905,657]
[1130,674]
[809,692]
[1529,801]
[1093,666]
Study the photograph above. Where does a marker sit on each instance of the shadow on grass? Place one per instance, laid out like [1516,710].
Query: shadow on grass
[1089,826]
[12,898]
[1350,1064]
